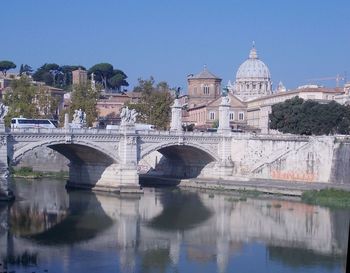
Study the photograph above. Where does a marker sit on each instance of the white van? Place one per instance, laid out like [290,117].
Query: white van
[33,123]
[112,127]
[144,127]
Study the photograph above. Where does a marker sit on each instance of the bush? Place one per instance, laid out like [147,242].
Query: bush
[327,197]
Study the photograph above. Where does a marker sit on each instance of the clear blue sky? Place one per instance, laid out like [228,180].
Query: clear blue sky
[170,39]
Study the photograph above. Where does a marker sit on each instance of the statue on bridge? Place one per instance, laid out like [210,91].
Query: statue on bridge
[224,97]
[128,116]
[79,117]
[3,112]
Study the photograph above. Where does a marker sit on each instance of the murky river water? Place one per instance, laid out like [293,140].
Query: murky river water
[48,229]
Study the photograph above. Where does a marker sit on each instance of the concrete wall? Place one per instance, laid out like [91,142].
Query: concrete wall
[45,160]
[341,164]
[281,157]
[293,158]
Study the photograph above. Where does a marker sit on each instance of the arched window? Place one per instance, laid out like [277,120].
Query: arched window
[211,115]
[241,116]
[232,116]
[206,90]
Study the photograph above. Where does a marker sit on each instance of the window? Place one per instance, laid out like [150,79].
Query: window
[211,115]
[206,89]
[241,116]
[232,116]
[195,90]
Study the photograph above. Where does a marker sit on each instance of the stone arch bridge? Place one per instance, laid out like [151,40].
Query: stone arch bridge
[107,159]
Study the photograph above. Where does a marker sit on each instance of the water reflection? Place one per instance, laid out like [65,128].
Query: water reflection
[168,229]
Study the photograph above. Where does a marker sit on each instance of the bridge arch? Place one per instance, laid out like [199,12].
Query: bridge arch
[182,160]
[195,146]
[77,151]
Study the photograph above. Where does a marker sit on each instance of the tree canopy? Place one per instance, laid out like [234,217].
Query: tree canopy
[30,101]
[54,75]
[5,66]
[111,79]
[309,117]
[26,70]
[154,106]
[20,100]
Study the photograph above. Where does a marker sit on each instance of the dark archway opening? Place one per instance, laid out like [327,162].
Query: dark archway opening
[176,162]
[85,165]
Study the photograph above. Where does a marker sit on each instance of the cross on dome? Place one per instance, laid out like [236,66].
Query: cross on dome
[253,53]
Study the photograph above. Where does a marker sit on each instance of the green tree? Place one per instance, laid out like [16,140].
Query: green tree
[25,69]
[5,66]
[154,106]
[45,102]
[20,100]
[102,72]
[215,124]
[48,73]
[84,98]
[309,117]
[117,80]
[111,79]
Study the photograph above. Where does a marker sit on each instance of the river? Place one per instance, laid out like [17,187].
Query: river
[50,229]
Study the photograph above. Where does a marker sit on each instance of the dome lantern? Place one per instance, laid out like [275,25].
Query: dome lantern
[253,78]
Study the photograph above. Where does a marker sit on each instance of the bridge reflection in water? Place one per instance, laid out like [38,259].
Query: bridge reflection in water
[168,229]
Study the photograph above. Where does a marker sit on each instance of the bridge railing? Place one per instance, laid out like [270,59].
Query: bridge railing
[101,131]
[236,135]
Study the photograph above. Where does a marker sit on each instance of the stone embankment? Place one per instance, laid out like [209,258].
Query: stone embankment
[261,185]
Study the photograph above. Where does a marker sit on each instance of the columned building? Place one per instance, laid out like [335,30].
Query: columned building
[253,79]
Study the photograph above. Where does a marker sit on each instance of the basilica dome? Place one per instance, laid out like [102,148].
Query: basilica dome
[253,78]
[253,68]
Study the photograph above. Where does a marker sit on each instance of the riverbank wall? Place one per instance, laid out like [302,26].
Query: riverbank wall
[289,158]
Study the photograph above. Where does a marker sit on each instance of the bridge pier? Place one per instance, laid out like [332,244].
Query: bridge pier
[5,192]
[98,177]
[128,174]
[118,176]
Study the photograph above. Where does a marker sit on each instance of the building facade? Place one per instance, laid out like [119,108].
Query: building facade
[202,88]
[80,76]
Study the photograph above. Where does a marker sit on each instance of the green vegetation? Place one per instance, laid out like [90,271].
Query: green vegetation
[5,66]
[25,70]
[54,75]
[29,101]
[27,172]
[327,197]
[154,106]
[109,77]
[309,117]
